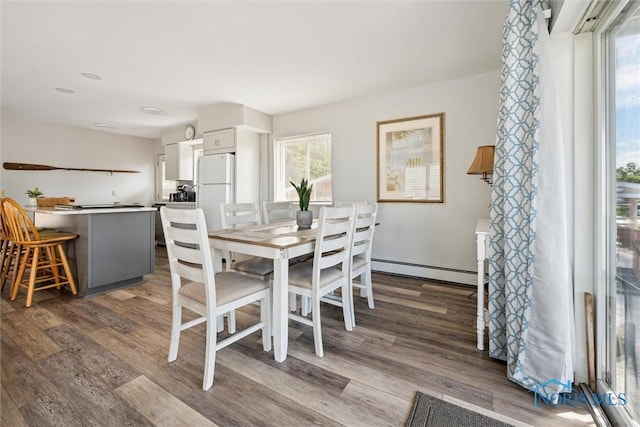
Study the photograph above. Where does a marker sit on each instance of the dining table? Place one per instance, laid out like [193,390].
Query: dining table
[279,241]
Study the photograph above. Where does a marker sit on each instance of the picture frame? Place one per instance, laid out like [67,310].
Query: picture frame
[410,155]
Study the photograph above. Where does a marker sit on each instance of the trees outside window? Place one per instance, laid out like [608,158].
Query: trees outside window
[307,156]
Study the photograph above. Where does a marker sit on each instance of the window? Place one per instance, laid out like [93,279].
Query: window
[307,156]
[621,370]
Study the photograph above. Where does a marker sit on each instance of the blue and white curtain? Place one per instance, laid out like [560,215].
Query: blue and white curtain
[530,285]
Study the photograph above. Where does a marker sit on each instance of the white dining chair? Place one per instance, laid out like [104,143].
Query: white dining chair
[277,211]
[195,287]
[236,215]
[342,203]
[360,260]
[285,211]
[361,256]
[328,271]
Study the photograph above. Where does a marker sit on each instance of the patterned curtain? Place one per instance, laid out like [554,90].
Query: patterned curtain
[530,286]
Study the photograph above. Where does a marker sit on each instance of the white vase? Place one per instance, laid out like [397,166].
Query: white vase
[33,201]
[304,219]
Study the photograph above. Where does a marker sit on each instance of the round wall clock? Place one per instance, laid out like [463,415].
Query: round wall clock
[189,132]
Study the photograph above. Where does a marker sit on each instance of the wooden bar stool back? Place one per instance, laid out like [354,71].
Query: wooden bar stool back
[43,254]
[9,251]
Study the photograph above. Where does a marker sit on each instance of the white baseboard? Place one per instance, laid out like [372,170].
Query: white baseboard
[426,272]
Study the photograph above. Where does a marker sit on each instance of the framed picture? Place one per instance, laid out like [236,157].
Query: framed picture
[411,159]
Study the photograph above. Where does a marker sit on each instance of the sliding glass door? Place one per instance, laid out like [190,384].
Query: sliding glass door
[622,129]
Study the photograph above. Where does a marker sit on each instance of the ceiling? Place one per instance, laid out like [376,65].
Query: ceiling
[275,57]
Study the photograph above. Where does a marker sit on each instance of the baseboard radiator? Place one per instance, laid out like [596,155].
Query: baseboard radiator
[442,274]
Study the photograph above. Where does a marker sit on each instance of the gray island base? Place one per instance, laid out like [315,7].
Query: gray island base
[114,249]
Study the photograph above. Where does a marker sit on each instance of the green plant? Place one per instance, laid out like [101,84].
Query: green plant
[304,193]
[34,193]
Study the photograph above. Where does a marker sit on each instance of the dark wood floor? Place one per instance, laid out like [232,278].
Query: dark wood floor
[103,361]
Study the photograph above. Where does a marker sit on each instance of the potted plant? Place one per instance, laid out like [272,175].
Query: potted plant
[304,217]
[33,195]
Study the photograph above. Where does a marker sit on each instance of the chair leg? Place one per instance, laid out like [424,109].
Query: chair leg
[317,329]
[18,257]
[220,322]
[8,261]
[32,276]
[227,260]
[347,306]
[366,277]
[231,320]
[210,354]
[67,270]
[176,324]
[293,302]
[305,305]
[353,304]
[19,273]
[53,265]
[363,290]
[265,316]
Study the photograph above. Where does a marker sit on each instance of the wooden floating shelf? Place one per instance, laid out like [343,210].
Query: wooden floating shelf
[35,167]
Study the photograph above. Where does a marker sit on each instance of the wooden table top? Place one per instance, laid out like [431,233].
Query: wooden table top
[280,235]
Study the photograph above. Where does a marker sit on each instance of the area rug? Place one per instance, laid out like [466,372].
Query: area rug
[429,411]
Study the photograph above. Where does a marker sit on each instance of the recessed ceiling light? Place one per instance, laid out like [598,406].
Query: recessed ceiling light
[153,110]
[64,90]
[102,125]
[92,76]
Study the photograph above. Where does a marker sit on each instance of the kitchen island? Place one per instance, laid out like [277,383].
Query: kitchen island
[114,248]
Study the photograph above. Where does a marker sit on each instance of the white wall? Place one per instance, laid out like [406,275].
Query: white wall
[421,239]
[30,141]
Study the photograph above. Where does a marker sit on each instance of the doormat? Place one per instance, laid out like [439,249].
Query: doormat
[429,411]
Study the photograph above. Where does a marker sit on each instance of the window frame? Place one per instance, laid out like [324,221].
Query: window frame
[279,145]
[605,197]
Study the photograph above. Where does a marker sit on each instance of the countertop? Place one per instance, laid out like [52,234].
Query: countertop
[161,202]
[54,211]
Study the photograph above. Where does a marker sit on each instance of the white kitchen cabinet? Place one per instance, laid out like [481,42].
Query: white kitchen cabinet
[178,162]
[219,141]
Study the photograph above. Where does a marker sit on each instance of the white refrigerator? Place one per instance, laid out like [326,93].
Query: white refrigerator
[216,175]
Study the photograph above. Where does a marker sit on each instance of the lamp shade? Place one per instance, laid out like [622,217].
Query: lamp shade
[483,163]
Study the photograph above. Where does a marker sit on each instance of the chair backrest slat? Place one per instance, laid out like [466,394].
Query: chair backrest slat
[235,214]
[342,203]
[191,273]
[187,253]
[277,211]
[182,235]
[331,259]
[335,243]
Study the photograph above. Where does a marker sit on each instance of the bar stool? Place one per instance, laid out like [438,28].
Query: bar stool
[8,253]
[42,254]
